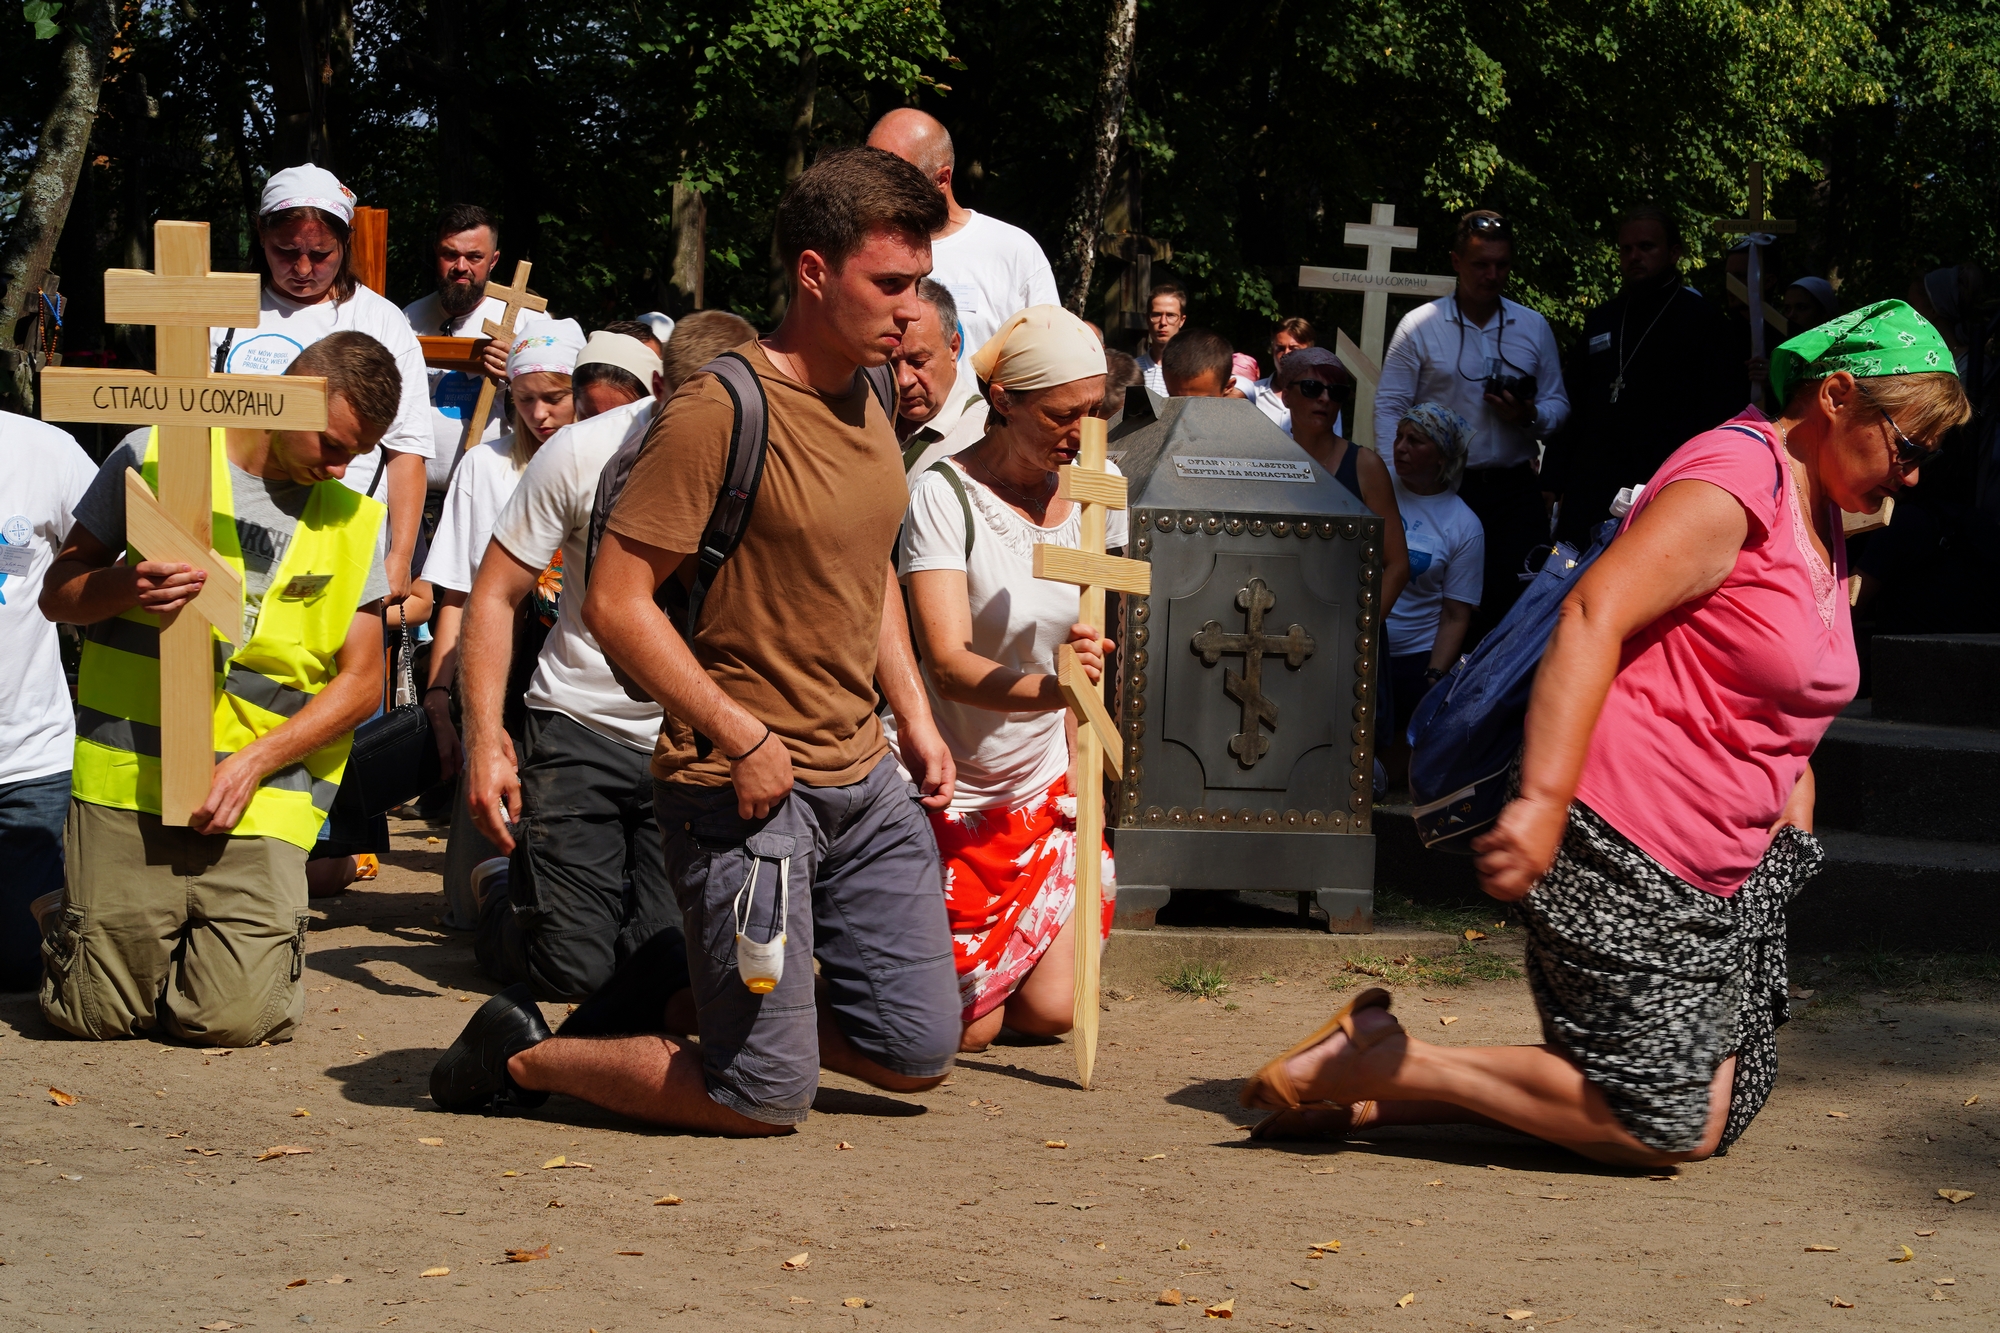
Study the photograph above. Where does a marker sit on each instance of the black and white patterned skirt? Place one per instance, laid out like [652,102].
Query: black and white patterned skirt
[1649,984]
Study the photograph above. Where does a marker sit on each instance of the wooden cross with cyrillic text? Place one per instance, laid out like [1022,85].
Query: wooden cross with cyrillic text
[182,299]
[516,298]
[1381,238]
[1755,224]
[1098,746]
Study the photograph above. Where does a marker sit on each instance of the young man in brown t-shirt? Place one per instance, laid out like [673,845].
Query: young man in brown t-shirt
[790,824]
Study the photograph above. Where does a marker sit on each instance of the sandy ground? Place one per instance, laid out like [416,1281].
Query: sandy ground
[145,1205]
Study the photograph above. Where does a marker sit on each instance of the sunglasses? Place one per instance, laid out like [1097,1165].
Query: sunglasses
[1312,388]
[1909,454]
[1489,226]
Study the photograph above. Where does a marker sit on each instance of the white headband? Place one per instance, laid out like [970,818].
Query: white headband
[550,346]
[306,187]
[623,351]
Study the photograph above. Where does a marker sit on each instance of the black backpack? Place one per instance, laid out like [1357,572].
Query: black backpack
[749,441]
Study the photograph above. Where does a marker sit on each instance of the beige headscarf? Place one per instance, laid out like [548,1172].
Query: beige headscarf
[1041,346]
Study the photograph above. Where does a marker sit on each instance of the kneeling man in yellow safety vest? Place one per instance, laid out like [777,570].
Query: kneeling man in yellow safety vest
[199,933]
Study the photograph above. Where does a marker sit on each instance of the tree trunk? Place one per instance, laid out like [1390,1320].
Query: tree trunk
[1078,259]
[795,167]
[690,248]
[45,199]
[302,38]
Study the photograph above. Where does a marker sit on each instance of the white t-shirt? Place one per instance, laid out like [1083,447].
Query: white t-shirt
[1447,559]
[1018,620]
[453,393]
[286,328]
[550,512]
[992,269]
[1156,379]
[43,473]
[485,482]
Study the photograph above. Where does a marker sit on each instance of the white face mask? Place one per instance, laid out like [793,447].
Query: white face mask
[762,964]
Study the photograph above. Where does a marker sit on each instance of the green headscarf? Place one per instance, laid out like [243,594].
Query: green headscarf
[1887,338]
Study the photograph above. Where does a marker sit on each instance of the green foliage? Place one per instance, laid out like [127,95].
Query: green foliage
[1204,981]
[41,14]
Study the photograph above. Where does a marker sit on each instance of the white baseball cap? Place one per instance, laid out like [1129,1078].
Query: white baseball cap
[306,187]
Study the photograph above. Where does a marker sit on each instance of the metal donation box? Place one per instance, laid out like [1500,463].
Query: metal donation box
[1248,689]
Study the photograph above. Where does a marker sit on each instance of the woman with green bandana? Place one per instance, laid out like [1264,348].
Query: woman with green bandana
[1666,801]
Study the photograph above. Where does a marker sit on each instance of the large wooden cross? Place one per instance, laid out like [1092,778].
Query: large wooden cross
[1381,238]
[1753,224]
[1098,746]
[182,299]
[516,298]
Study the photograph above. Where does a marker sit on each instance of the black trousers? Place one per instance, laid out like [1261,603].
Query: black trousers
[1508,503]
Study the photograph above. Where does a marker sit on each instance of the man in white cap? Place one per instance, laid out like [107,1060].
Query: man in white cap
[991,268]
[584,888]
[938,407]
[465,249]
[309,291]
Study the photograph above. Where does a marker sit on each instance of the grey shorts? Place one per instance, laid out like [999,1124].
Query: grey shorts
[866,898]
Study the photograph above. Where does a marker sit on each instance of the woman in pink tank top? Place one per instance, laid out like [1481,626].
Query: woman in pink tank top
[1666,797]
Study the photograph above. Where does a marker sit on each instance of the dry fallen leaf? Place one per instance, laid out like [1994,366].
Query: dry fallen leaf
[797,1263]
[219,1326]
[1837,1115]
[1906,1255]
[1955,1196]
[1447,1020]
[554,1162]
[1408,1296]
[1438,1181]
[281,1150]
[296,1282]
[1156,1157]
[555,1203]
[435,1272]
[1738,1301]
[1221,1309]
[1055,1143]
[1973,1100]
[61,1098]
[300,1113]
[800,1300]
[506,1174]
[667,1201]
[336,1279]
[205,1152]
[1304,1283]
[1471,934]
[1840,1304]
[432,1143]
[1939,1296]
[843,1146]
[1822,1249]
[1328,1247]
[520,1256]
[1518,1315]
[632,1254]
[854,1303]
[1171,1296]
[1183,1245]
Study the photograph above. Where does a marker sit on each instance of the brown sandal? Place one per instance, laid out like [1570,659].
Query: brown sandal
[1270,1088]
[1340,1122]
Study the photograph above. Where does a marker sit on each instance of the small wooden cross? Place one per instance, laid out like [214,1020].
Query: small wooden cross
[183,300]
[1098,745]
[517,299]
[1381,238]
[1755,223]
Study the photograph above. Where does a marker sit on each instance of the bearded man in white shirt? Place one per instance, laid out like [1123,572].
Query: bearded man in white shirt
[1495,363]
[991,268]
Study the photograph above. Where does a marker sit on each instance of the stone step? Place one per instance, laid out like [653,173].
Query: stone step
[1909,779]
[1945,679]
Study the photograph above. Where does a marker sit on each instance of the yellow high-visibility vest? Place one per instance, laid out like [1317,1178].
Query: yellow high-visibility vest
[285,659]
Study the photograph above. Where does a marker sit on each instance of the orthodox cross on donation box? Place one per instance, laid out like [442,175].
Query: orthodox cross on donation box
[1295,645]
[517,299]
[1381,238]
[1755,225]
[1095,493]
[182,299]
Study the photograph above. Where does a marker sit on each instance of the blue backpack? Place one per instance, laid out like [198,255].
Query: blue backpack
[1466,732]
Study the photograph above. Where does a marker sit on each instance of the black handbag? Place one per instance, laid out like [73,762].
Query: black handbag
[395,756]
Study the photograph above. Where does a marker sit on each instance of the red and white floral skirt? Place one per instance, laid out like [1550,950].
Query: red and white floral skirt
[1009,886]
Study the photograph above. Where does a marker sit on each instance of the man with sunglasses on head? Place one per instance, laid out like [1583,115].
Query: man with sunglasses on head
[1495,363]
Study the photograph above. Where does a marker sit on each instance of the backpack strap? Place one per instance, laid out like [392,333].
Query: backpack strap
[882,380]
[749,442]
[950,475]
[1777,486]
[610,484]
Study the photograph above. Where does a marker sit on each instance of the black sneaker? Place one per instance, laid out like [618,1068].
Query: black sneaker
[473,1073]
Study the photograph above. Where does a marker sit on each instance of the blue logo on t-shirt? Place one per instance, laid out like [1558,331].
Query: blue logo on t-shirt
[1419,561]
[454,393]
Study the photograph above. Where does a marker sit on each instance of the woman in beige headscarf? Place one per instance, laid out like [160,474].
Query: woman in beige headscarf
[988,631]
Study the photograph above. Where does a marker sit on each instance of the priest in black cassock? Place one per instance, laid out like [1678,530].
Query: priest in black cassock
[1656,366]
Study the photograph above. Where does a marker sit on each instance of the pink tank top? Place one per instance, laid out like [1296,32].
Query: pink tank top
[1719,704]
